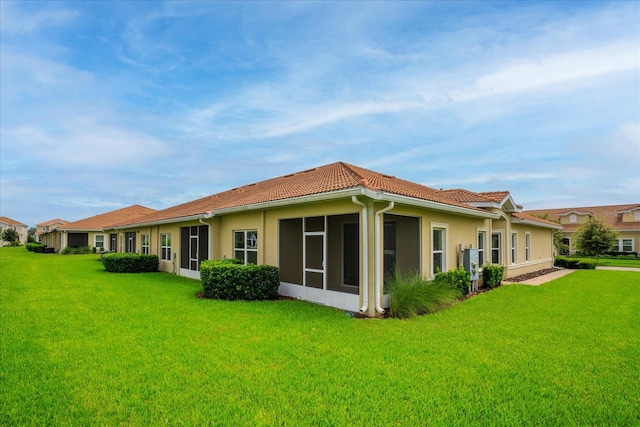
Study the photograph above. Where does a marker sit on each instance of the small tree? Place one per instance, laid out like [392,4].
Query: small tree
[11,236]
[31,234]
[595,237]
[558,243]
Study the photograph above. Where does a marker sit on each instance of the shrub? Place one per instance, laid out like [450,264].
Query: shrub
[575,263]
[410,295]
[231,280]
[84,250]
[35,247]
[130,263]
[492,275]
[459,279]
[624,255]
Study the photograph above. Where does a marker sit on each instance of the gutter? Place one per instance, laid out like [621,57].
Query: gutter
[377,253]
[535,223]
[365,258]
[435,205]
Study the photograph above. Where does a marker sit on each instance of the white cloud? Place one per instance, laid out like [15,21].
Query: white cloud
[505,177]
[531,74]
[85,142]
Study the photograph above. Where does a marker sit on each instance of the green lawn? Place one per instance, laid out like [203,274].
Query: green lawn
[612,262]
[79,346]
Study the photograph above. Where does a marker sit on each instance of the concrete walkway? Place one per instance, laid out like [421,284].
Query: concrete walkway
[637,270]
[537,281]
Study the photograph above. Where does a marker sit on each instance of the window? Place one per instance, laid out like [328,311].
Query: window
[527,247]
[482,239]
[573,218]
[245,246]
[165,247]
[44,228]
[99,242]
[636,215]
[514,248]
[624,245]
[496,248]
[566,245]
[145,244]
[437,249]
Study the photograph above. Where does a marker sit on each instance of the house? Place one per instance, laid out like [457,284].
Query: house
[43,231]
[8,223]
[90,231]
[625,219]
[336,230]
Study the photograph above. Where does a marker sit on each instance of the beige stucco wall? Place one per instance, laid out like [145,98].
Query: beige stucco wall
[631,216]
[541,250]
[580,218]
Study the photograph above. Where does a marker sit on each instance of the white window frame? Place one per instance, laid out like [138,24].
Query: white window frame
[514,248]
[636,215]
[573,218]
[527,247]
[483,250]
[500,234]
[165,246]
[95,241]
[144,244]
[248,245]
[620,244]
[445,246]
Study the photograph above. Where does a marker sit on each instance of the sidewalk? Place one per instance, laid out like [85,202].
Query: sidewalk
[619,268]
[537,281]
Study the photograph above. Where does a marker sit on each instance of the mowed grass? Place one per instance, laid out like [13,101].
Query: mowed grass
[79,346]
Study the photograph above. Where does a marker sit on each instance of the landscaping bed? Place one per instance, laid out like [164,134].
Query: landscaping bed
[533,274]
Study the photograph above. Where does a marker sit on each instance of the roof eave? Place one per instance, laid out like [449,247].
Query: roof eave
[159,222]
[535,223]
[435,205]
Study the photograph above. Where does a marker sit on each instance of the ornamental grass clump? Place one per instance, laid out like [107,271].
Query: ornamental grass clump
[410,295]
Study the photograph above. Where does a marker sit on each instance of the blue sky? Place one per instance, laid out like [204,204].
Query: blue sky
[108,104]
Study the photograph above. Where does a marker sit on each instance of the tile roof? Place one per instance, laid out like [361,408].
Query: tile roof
[527,217]
[10,221]
[99,222]
[611,215]
[495,196]
[51,221]
[465,196]
[323,179]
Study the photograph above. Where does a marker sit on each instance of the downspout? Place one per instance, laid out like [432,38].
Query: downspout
[378,282]
[365,258]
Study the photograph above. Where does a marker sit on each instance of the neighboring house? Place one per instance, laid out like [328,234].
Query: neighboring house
[44,229]
[625,219]
[334,231]
[90,231]
[8,223]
